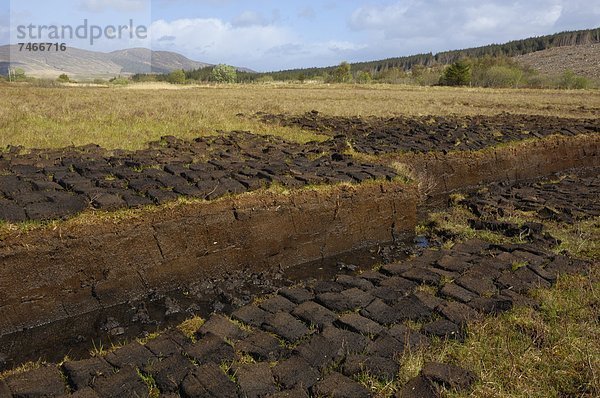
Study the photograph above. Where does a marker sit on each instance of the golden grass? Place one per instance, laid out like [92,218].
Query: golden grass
[131,116]
[190,326]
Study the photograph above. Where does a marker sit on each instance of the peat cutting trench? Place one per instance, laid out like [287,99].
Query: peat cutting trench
[138,241]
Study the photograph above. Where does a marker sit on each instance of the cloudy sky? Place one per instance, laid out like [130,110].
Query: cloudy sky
[273,35]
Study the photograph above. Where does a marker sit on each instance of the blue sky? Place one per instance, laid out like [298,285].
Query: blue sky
[272,35]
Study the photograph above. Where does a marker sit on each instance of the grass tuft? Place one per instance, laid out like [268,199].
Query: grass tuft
[190,327]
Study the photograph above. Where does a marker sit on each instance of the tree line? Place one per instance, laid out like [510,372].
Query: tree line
[429,60]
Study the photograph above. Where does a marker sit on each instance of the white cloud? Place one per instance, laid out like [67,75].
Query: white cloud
[439,18]
[258,39]
[261,47]
[414,26]
[213,40]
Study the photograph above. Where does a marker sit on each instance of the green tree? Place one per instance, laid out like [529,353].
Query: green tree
[223,74]
[457,74]
[342,73]
[364,77]
[64,78]
[176,77]
[301,77]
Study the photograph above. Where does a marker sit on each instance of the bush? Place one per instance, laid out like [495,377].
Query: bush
[501,76]
[569,80]
[364,77]
[176,77]
[457,74]
[394,76]
[341,74]
[64,78]
[223,74]
[16,75]
[425,76]
[119,81]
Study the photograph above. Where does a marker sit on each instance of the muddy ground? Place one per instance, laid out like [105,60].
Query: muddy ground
[317,337]
[324,323]
[54,184]
[51,184]
[377,136]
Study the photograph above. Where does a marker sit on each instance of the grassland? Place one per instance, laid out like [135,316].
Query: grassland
[129,117]
[547,352]
[544,352]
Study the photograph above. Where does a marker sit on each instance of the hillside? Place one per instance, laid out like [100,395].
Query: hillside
[510,49]
[584,60]
[81,64]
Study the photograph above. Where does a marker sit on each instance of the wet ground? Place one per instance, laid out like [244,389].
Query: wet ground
[318,337]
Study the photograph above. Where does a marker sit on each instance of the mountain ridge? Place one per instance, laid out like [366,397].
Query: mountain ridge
[82,64]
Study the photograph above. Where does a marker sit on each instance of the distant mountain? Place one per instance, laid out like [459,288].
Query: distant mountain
[510,49]
[84,64]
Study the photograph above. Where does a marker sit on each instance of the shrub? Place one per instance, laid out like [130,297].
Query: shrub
[45,83]
[16,75]
[341,74]
[265,79]
[176,77]
[119,81]
[223,74]
[502,76]
[426,76]
[64,78]
[569,80]
[364,77]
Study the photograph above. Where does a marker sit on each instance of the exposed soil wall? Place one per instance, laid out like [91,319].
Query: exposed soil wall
[443,173]
[50,275]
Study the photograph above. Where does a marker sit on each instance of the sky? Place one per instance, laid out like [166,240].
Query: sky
[267,35]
